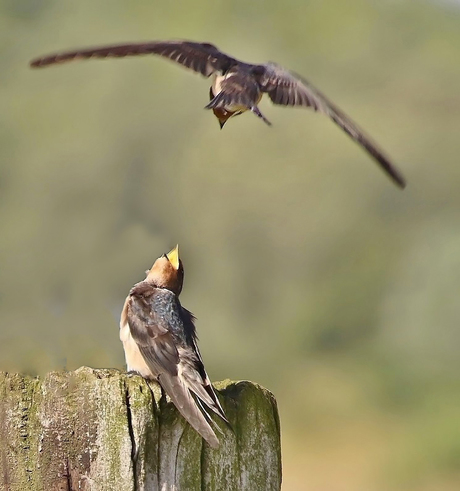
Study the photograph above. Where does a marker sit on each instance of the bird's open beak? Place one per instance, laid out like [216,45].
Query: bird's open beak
[173,257]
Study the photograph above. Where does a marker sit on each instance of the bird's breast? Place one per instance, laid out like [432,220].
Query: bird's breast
[134,359]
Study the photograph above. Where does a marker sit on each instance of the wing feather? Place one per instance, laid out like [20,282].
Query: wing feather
[289,89]
[182,398]
[203,58]
[165,334]
[151,330]
[199,381]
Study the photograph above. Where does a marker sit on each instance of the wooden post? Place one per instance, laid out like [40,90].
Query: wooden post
[101,430]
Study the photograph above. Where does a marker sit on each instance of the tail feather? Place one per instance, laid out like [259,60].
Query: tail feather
[219,101]
[214,425]
[200,378]
[204,391]
[182,398]
[231,102]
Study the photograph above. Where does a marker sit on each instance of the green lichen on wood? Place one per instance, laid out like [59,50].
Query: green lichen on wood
[220,467]
[143,419]
[18,432]
[84,437]
[251,457]
[256,427]
[99,430]
[180,450]
[108,450]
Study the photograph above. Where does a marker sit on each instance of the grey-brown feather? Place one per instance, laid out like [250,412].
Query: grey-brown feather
[203,58]
[237,89]
[289,89]
[165,334]
[181,397]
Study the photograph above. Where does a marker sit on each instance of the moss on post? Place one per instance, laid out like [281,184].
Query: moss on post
[103,430]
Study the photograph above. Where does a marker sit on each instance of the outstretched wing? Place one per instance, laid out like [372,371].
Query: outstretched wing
[288,89]
[203,58]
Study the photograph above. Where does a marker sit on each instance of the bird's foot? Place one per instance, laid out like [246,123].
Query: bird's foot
[257,112]
[133,373]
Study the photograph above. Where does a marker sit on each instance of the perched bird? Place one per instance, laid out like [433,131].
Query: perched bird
[160,343]
[237,86]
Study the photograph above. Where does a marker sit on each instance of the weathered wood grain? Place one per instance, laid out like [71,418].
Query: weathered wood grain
[102,430]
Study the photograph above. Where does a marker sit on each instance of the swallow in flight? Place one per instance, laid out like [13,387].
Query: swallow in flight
[237,86]
[160,343]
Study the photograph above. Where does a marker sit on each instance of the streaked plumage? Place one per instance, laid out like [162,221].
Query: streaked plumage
[237,86]
[160,343]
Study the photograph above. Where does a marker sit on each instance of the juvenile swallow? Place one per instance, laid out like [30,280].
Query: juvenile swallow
[160,343]
[237,86]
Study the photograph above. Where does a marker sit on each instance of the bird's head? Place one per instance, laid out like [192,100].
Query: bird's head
[222,115]
[167,272]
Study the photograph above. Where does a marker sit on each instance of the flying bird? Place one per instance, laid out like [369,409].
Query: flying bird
[160,343]
[237,86]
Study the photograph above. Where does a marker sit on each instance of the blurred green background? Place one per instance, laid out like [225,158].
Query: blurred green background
[308,270]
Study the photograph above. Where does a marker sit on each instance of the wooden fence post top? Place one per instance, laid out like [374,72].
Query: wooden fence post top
[100,429]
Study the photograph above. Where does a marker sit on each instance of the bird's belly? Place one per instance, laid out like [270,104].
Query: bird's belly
[235,108]
[134,359]
[217,89]
[239,108]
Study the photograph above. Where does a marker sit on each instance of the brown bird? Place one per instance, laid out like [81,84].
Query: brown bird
[160,343]
[237,86]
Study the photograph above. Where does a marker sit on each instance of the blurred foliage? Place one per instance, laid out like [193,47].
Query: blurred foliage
[308,270]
